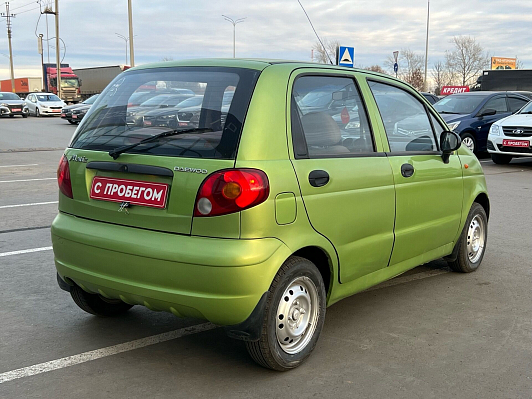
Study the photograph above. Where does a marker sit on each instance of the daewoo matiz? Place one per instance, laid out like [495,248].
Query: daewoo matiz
[265,212]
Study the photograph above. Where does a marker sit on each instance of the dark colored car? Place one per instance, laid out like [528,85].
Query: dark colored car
[472,114]
[167,117]
[79,113]
[431,98]
[139,97]
[66,112]
[11,104]
[135,115]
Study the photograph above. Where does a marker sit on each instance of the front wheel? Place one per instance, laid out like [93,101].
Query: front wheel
[469,141]
[471,245]
[501,159]
[293,318]
[37,112]
[98,305]
[72,122]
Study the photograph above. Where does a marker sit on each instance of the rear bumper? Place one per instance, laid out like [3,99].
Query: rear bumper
[220,280]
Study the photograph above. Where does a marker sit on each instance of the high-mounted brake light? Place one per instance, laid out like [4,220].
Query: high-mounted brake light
[231,190]
[63,177]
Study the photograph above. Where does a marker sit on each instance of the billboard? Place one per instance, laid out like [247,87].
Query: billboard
[503,63]
[447,90]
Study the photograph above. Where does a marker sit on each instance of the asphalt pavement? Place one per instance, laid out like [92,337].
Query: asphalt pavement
[430,333]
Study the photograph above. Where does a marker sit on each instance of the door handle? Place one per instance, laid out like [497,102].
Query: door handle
[318,178]
[407,170]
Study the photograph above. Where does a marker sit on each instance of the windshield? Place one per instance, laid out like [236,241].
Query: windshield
[212,132]
[191,102]
[69,82]
[527,109]
[459,104]
[91,100]
[47,97]
[8,96]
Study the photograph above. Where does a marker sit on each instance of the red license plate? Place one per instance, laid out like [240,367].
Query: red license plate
[132,191]
[74,117]
[147,123]
[56,110]
[16,109]
[516,143]
[63,115]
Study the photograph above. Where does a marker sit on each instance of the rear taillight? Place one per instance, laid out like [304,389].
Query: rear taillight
[63,177]
[231,190]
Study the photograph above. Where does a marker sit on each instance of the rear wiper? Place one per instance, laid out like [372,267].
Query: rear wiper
[117,151]
[448,112]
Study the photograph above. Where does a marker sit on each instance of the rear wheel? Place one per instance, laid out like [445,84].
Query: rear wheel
[469,141]
[293,318]
[72,122]
[24,115]
[11,116]
[501,159]
[98,305]
[471,245]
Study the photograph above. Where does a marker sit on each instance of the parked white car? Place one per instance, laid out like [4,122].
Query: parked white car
[511,137]
[44,104]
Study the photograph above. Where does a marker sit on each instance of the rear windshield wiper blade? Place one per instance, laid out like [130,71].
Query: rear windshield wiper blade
[117,151]
[448,112]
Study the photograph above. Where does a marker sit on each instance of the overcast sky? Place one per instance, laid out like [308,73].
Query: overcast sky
[273,29]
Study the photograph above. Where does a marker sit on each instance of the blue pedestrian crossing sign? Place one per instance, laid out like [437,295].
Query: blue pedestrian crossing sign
[346,56]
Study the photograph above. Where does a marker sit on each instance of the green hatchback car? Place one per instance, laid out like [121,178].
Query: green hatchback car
[314,183]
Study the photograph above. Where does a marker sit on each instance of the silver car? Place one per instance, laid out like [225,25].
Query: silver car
[41,104]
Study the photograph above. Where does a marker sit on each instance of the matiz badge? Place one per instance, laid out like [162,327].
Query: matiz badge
[190,170]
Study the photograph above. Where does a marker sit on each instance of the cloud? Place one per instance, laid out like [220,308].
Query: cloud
[273,29]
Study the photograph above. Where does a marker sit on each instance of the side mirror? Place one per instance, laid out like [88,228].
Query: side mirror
[487,112]
[449,142]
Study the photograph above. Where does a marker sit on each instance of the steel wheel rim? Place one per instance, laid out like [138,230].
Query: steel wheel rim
[469,143]
[476,239]
[297,315]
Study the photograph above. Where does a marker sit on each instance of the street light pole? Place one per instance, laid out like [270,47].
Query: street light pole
[126,39]
[131,49]
[425,87]
[235,23]
[8,17]
[57,49]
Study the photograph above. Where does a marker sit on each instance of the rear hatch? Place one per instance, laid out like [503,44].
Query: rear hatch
[153,185]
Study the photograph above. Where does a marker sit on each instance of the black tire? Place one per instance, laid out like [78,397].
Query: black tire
[37,112]
[463,263]
[267,351]
[24,115]
[468,136]
[97,305]
[501,159]
[11,116]
[72,122]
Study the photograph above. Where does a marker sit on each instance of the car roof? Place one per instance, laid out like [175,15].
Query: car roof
[254,63]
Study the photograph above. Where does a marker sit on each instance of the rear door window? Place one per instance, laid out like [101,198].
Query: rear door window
[498,104]
[516,103]
[210,129]
[329,118]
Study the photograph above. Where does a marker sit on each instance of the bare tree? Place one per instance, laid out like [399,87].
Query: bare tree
[467,60]
[442,76]
[519,64]
[166,59]
[410,67]
[375,68]
[321,54]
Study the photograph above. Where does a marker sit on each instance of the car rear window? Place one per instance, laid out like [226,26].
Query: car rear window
[114,120]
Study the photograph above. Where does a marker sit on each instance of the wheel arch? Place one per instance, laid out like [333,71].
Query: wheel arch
[323,262]
[484,201]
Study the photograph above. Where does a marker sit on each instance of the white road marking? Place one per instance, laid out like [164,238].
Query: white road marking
[104,352]
[408,278]
[19,181]
[16,166]
[25,251]
[32,204]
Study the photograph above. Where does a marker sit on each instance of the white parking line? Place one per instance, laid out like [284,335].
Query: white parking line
[19,181]
[104,352]
[32,204]
[17,166]
[25,251]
